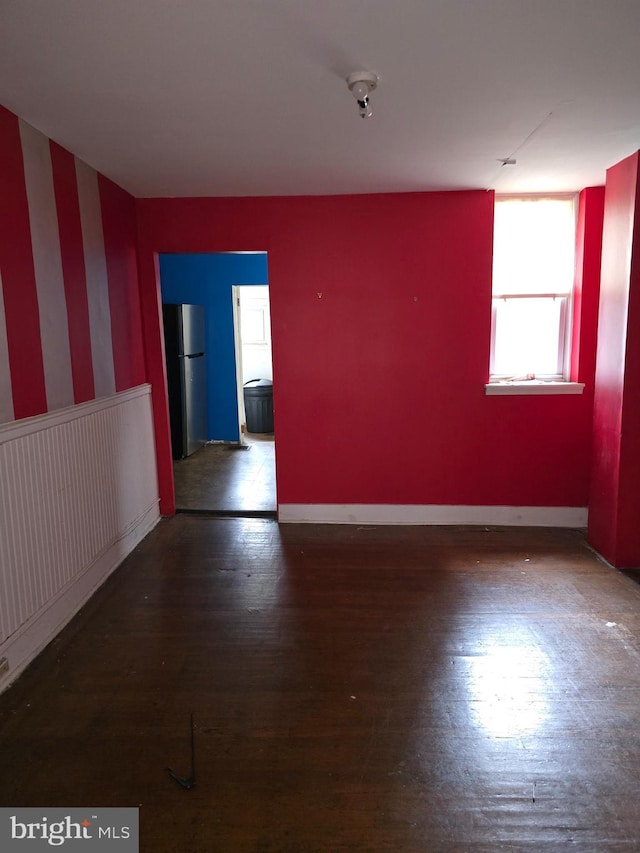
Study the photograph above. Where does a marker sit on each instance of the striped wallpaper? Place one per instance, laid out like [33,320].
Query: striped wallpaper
[70,325]
[78,484]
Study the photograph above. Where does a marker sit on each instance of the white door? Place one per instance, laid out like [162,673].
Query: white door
[252,334]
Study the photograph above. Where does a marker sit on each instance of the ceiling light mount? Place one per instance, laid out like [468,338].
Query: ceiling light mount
[361,84]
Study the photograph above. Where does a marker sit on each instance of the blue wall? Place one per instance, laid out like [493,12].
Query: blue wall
[207,280]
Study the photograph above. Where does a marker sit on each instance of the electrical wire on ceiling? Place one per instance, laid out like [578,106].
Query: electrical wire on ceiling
[511,159]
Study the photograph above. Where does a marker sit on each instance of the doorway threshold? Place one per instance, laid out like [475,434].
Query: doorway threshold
[230,513]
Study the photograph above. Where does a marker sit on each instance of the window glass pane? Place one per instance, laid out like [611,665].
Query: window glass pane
[252,327]
[527,332]
[534,245]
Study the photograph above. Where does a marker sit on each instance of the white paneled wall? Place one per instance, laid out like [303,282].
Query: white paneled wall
[78,490]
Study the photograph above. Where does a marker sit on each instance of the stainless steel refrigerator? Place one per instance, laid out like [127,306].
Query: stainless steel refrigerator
[184,341]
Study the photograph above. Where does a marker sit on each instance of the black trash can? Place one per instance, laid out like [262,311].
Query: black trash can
[258,405]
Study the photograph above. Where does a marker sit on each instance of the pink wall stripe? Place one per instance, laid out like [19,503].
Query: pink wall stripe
[97,280]
[119,226]
[18,277]
[47,262]
[6,397]
[75,279]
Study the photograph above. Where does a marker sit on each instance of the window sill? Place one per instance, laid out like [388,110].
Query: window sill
[500,389]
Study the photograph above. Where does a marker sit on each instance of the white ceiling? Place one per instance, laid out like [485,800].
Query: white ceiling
[247,97]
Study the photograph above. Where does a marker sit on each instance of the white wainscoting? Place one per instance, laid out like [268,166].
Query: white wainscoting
[78,491]
[525,516]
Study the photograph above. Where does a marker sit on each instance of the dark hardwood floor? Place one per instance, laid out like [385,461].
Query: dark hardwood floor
[223,478]
[353,689]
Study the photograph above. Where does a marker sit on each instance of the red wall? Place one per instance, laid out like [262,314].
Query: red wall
[119,228]
[587,286]
[18,277]
[379,382]
[615,499]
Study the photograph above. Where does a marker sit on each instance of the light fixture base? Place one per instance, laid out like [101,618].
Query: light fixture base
[367,77]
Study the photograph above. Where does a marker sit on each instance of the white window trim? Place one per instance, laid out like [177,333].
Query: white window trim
[557,384]
[531,387]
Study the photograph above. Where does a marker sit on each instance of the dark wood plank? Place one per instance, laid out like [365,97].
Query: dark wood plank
[410,689]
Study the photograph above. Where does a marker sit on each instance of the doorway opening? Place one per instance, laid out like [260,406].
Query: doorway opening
[234,473]
[222,480]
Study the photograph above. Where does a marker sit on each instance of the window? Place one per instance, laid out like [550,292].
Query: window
[533,272]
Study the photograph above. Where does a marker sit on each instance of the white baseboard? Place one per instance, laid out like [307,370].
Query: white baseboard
[31,638]
[524,516]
